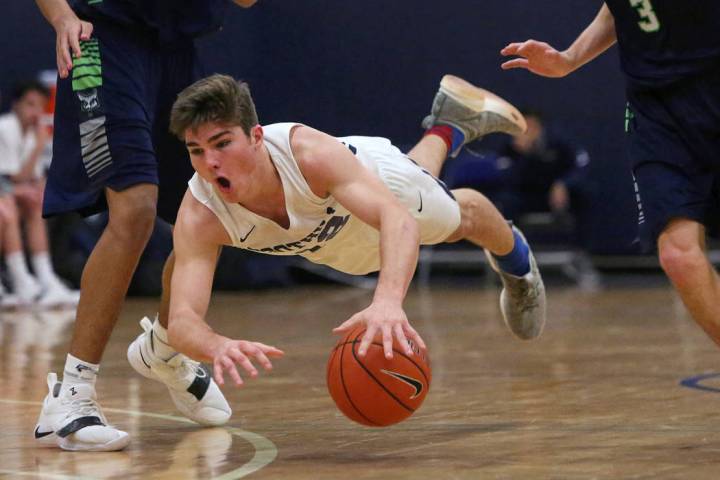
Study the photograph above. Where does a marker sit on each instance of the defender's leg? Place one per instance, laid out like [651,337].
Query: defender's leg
[681,249]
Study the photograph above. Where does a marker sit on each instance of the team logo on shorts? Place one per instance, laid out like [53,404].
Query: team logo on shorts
[89,101]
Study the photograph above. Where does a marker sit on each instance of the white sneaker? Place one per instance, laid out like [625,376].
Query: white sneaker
[74,421]
[522,300]
[57,295]
[191,386]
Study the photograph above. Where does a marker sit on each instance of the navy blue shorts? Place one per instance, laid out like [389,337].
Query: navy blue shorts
[674,143]
[111,122]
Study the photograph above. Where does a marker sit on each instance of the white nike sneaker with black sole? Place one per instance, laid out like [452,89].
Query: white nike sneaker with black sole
[72,420]
[190,384]
[472,110]
[522,300]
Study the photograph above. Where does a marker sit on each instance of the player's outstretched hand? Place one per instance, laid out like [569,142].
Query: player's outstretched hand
[239,352]
[70,30]
[538,57]
[388,319]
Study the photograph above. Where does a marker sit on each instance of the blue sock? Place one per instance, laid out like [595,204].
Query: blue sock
[458,139]
[517,262]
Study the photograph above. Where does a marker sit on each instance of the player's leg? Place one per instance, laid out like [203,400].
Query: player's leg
[522,300]
[681,249]
[103,158]
[190,385]
[461,113]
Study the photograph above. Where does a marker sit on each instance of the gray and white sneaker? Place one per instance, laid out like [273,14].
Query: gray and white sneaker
[522,300]
[190,384]
[474,111]
[73,420]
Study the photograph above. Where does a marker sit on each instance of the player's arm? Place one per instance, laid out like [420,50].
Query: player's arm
[245,3]
[69,31]
[542,59]
[198,237]
[331,168]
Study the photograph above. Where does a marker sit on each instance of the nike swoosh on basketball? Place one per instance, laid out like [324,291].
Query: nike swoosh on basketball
[416,384]
[247,234]
[39,434]
[420,208]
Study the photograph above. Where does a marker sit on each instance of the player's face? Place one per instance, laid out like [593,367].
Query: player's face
[226,157]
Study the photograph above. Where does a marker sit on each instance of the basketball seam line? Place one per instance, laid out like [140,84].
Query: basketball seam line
[378,381]
[395,351]
[347,394]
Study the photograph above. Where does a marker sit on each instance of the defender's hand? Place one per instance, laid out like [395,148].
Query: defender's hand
[388,319]
[538,57]
[70,30]
[232,352]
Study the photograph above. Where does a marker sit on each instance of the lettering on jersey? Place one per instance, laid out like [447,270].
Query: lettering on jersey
[324,232]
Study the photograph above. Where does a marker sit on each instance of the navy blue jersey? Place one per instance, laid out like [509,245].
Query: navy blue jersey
[662,41]
[170,20]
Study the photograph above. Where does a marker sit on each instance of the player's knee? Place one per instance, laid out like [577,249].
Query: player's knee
[680,260]
[473,206]
[133,220]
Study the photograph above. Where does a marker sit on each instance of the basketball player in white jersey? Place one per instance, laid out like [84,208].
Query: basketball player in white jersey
[357,204]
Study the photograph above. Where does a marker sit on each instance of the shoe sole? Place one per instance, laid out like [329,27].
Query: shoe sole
[112,446]
[481,100]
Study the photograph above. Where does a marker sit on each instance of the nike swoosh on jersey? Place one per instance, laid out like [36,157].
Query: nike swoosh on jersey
[420,208]
[247,234]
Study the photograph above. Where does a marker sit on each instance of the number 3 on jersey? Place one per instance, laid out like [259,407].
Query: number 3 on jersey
[649,22]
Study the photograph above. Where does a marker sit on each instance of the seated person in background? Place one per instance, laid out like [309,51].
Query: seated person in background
[536,171]
[22,141]
[543,171]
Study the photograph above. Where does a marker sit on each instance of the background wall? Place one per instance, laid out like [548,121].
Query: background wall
[371,67]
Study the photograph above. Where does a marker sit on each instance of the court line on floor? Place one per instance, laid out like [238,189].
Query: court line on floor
[265,449]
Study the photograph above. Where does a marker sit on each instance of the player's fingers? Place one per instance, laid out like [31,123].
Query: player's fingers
[402,340]
[245,363]
[270,351]
[515,63]
[367,339]
[218,373]
[347,325]
[511,48]
[228,364]
[74,39]
[415,336]
[387,341]
[64,60]
[86,29]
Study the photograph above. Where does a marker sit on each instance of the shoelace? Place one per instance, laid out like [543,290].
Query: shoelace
[84,407]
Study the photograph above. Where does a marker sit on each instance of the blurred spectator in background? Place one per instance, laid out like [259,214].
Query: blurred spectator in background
[540,181]
[23,139]
[537,171]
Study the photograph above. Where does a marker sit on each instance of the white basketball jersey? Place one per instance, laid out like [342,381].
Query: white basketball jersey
[321,230]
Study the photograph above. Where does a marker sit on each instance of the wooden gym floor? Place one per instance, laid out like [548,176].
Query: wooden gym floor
[598,396]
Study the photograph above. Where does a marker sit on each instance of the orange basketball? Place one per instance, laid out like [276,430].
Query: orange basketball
[373,390]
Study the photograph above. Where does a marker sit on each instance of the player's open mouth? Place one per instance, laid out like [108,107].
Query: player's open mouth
[223,183]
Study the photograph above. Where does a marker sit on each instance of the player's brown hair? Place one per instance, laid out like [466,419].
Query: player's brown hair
[218,98]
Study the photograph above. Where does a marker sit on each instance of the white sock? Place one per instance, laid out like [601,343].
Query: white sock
[78,372]
[18,270]
[161,345]
[43,269]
